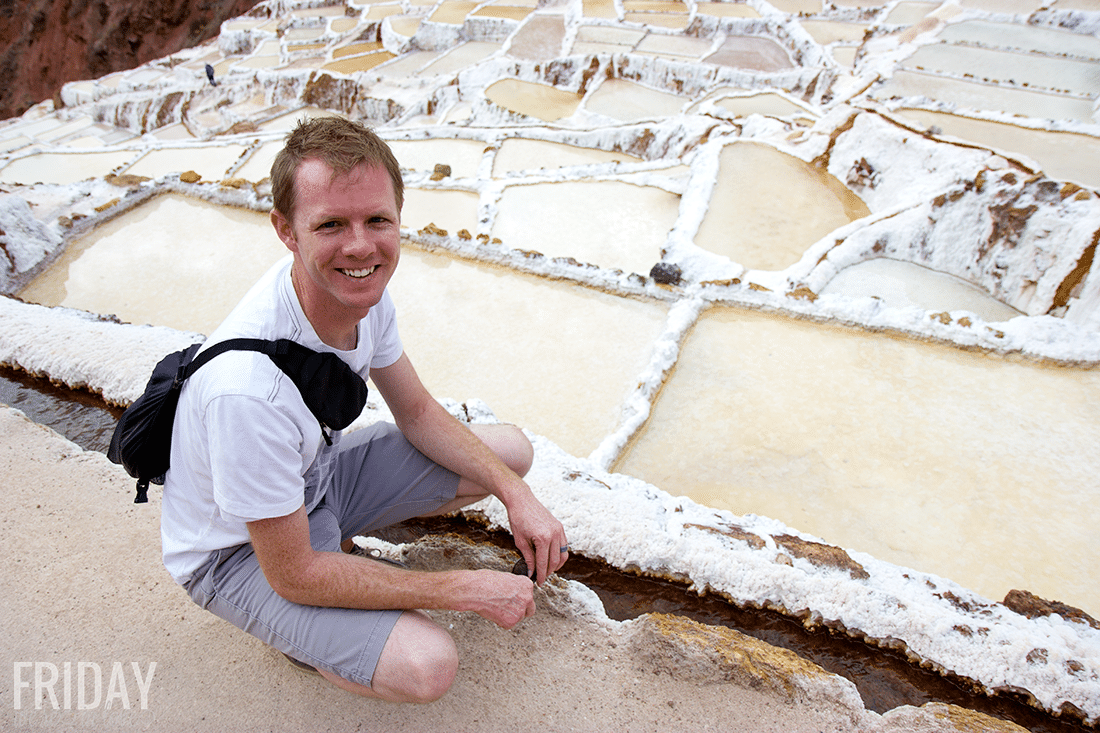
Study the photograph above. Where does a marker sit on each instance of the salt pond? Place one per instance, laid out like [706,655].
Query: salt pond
[767,208]
[923,455]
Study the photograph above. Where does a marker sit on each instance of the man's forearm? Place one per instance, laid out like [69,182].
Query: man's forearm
[340,580]
[344,581]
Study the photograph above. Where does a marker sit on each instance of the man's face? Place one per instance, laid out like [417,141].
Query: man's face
[345,237]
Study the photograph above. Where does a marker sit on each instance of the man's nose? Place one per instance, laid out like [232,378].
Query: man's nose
[361,242]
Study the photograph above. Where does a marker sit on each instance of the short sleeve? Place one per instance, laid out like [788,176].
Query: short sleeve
[385,339]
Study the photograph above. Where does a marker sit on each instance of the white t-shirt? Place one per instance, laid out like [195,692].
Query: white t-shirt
[243,439]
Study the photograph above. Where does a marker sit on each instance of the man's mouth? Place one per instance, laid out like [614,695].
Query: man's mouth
[359,273]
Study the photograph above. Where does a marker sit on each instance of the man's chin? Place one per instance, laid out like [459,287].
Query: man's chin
[362,301]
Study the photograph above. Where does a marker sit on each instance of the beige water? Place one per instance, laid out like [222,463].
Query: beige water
[605,223]
[539,39]
[258,164]
[462,156]
[363,62]
[727,10]
[354,49]
[460,57]
[535,100]
[905,284]
[628,102]
[610,35]
[768,103]
[1064,156]
[969,466]
[599,9]
[975,95]
[751,52]
[451,211]
[1023,37]
[521,154]
[907,13]
[826,32]
[749,217]
[405,25]
[1066,75]
[510,12]
[556,358]
[64,168]
[682,47]
[211,163]
[452,11]
[158,264]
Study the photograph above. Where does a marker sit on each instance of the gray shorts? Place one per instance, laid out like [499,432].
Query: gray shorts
[378,479]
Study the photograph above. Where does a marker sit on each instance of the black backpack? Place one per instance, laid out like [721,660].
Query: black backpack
[142,440]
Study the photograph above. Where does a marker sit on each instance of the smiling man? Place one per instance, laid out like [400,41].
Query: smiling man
[260,504]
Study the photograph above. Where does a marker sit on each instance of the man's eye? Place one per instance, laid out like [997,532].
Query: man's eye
[329,225]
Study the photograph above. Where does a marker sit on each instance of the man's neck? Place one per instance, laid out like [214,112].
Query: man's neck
[339,335]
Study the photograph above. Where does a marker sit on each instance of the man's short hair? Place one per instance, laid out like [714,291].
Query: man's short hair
[342,145]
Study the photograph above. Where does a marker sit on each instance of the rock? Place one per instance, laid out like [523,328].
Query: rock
[733,531]
[821,555]
[666,273]
[938,717]
[1030,605]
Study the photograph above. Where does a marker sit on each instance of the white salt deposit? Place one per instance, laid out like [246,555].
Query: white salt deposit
[990,228]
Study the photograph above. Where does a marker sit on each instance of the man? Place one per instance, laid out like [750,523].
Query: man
[257,504]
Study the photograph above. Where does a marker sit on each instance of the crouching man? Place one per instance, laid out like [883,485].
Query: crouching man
[258,503]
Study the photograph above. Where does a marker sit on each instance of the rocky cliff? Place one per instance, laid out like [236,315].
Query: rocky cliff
[45,43]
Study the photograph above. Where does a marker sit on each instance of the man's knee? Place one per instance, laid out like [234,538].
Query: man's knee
[522,452]
[431,672]
[510,444]
[419,662]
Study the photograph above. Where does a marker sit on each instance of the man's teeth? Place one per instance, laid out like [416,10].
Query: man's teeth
[359,273]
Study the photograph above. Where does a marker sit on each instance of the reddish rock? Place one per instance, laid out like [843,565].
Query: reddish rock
[1028,604]
[45,43]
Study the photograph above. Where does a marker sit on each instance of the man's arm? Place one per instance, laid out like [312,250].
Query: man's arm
[437,434]
[302,575]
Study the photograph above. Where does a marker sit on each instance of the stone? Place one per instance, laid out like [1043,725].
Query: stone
[666,273]
[821,555]
[1030,605]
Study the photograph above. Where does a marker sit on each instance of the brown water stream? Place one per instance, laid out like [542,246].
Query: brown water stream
[885,679]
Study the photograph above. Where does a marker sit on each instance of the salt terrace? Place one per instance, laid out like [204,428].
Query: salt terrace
[825,264]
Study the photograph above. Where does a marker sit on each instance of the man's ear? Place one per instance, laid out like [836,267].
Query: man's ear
[284,230]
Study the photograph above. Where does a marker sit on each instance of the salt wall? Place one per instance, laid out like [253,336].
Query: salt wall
[958,139]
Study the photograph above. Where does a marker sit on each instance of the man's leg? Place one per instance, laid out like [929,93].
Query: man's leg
[418,663]
[508,442]
[510,445]
[420,660]
[401,656]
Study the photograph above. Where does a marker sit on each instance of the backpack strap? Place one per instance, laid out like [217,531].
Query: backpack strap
[242,344]
[331,390]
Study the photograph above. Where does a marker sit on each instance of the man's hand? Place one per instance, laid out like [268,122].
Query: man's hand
[539,536]
[502,598]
